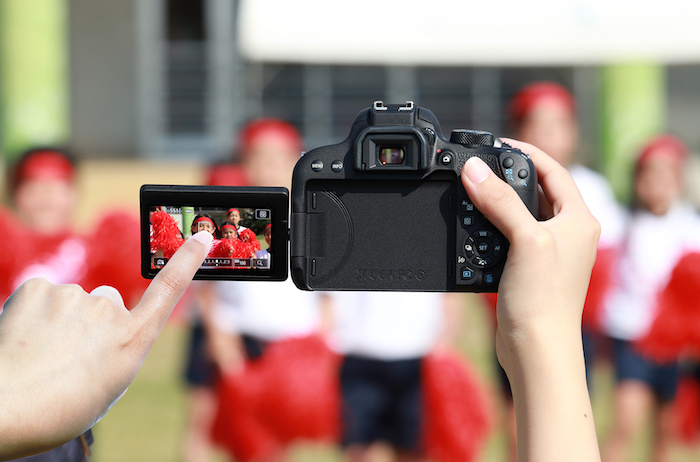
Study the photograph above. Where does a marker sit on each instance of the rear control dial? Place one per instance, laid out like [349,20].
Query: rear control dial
[483,248]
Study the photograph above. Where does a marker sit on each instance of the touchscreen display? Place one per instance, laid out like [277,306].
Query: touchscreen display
[242,235]
[242,220]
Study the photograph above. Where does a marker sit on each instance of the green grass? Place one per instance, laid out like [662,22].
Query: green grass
[147,425]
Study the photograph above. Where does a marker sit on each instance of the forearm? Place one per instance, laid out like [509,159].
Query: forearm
[553,410]
[26,426]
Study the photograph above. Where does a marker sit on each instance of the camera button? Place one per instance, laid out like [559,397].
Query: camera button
[317,166]
[483,247]
[467,274]
[496,248]
[337,165]
[522,174]
[478,261]
[508,162]
[468,220]
[467,206]
[469,248]
[446,158]
[489,278]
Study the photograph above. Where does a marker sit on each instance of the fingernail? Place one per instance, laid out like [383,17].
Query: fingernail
[111,293]
[476,170]
[204,237]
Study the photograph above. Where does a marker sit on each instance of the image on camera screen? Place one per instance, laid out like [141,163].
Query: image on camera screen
[242,235]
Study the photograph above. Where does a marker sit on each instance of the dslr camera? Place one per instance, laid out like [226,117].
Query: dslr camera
[383,210]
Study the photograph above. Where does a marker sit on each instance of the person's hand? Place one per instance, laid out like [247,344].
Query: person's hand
[540,302]
[66,356]
[549,262]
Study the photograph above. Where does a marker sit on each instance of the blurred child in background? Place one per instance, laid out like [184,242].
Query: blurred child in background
[403,387]
[661,229]
[544,115]
[261,340]
[46,244]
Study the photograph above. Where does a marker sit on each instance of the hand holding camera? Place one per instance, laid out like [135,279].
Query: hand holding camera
[386,210]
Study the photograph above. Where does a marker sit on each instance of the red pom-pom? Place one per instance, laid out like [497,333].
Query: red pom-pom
[686,410]
[33,254]
[233,248]
[247,235]
[221,248]
[12,256]
[491,301]
[675,328]
[165,234]
[114,256]
[290,393]
[457,409]
[601,279]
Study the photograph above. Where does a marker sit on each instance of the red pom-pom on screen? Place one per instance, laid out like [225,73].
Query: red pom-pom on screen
[247,235]
[165,234]
[221,248]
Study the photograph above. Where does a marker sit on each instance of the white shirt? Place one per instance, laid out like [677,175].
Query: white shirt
[653,247]
[387,325]
[600,200]
[266,310]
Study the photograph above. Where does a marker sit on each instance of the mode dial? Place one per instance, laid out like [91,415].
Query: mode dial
[471,138]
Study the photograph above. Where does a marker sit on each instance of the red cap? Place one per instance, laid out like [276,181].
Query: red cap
[44,164]
[530,96]
[233,210]
[259,128]
[663,146]
[269,225]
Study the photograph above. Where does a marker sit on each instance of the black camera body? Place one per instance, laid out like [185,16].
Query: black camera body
[386,209]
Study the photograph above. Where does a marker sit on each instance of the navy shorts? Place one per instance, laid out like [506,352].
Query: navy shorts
[381,402]
[200,370]
[662,378]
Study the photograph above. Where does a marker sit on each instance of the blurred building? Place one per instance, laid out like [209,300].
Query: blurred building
[162,79]
[167,82]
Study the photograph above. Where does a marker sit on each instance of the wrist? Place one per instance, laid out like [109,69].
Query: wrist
[545,366]
[539,327]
